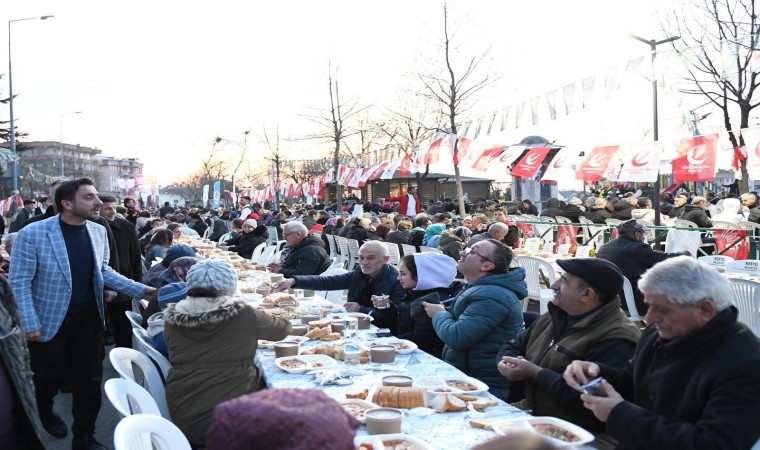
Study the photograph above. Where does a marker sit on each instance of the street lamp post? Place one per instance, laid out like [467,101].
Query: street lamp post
[60,134]
[14,164]
[652,43]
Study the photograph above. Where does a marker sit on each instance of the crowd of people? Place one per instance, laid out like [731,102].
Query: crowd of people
[690,379]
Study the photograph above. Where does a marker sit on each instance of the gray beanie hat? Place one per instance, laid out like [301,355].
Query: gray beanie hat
[213,274]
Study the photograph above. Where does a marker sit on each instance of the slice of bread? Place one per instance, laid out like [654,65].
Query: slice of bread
[361,394]
[331,337]
[318,333]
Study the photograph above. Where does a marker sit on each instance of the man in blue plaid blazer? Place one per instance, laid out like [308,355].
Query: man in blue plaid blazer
[60,269]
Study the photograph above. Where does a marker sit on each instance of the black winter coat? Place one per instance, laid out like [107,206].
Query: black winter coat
[245,244]
[307,258]
[572,212]
[419,332]
[701,391]
[695,214]
[622,211]
[128,252]
[598,215]
[633,258]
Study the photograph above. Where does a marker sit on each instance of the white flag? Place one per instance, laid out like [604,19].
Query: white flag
[562,166]
[641,162]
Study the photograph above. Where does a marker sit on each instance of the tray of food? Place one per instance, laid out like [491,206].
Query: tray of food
[304,363]
[395,441]
[357,407]
[560,432]
[454,385]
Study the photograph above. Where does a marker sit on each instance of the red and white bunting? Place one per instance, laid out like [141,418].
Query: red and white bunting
[697,159]
[595,164]
[390,169]
[366,174]
[641,162]
[531,162]
[378,171]
[356,176]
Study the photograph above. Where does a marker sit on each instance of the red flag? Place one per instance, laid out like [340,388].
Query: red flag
[481,163]
[433,152]
[592,168]
[379,171]
[405,167]
[531,162]
[732,243]
[462,147]
[697,160]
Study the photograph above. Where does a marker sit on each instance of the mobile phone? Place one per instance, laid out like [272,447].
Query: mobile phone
[594,387]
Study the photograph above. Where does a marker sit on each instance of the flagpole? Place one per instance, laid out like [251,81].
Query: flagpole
[655,124]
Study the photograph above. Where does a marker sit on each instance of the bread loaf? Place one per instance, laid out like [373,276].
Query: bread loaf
[399,397]
[318,333]
[362,394]
[331,337]
[325,323]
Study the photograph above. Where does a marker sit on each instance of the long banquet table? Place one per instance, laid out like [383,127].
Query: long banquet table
[450,430]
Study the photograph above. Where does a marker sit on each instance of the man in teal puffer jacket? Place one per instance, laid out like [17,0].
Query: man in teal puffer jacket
[483,314]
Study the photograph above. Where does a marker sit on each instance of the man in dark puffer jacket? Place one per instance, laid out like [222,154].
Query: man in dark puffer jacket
[304,254]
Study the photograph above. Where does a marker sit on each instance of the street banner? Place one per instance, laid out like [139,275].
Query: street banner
[217,194]
[404,167]
[463,146]
[390,169]
[531,162]
[697,159]
[481,162]
[205,195]
[562,166]
[595,164]
[641,162]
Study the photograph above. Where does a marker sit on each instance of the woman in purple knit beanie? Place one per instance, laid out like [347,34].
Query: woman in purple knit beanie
[281,419]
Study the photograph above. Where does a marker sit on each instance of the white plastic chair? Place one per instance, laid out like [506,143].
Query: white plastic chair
[146,347]
[333,246]
[613,222]
[353,253]
[163,435]
[717,261]
[630,301]
[267,254]
[393,253]
[747,301]
[129,398]
[257,251]
[533,268]
[336,296]
[424,249]
[747,266]
[273,236]
[681,223]
[408,249]
[349,262]
[135,319]
[723,225]
[122,360]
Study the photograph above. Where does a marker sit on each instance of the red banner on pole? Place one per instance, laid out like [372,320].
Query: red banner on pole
[531,162]
[697,159]
[593,167]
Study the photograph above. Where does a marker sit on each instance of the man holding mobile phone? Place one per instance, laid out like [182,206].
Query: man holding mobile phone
[584,321]
[694,381]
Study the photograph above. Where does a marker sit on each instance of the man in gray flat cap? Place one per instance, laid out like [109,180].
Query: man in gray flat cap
[584,321]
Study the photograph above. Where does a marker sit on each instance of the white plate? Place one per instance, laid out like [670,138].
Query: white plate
[263,343]
[511,425]
[359,402]
[311,362]
[292,338]
[480,387]
[378,439]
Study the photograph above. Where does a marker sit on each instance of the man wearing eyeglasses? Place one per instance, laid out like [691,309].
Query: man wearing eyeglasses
[584,321]
[484,315]
[304,254]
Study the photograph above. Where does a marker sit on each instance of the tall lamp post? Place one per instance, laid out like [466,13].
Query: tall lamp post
[60,134]
[652,43]
[14,164]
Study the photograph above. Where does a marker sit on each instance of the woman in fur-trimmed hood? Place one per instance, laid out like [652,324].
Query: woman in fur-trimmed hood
[212,339]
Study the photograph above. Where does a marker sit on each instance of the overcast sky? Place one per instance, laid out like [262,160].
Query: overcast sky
[159,80]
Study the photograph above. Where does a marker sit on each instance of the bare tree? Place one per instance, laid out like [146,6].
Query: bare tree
[337,123]
[212,168]
[276,161]
[455,89]
[720,39]
[406,126]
